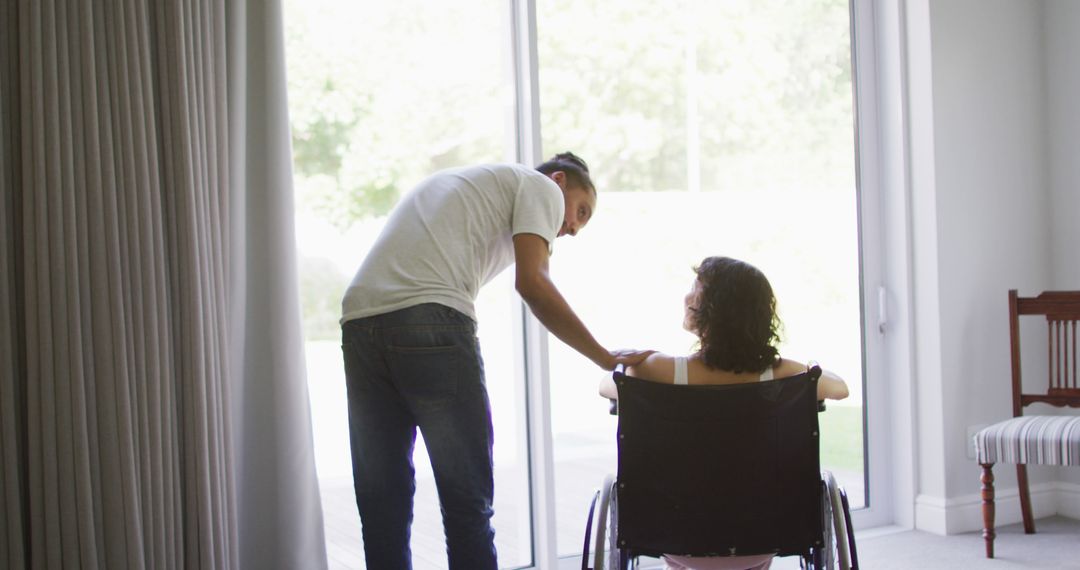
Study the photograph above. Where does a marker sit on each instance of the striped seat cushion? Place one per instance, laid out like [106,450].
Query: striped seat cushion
[1043,440]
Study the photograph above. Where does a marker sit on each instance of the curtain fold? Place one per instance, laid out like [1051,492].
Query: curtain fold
[153,405]
[275,459]
[14,491]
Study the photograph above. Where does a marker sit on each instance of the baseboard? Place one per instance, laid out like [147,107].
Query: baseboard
[1069,500]
[931,514]
[964,514]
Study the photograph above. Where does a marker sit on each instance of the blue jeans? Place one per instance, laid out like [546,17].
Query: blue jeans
[420,367]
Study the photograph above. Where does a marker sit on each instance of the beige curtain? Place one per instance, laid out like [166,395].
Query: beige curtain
[153,408]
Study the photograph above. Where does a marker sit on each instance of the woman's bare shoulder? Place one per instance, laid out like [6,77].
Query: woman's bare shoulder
[658,367]
[788,367]
[830,385]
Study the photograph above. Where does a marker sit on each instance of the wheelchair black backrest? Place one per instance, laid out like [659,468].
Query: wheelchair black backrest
[719,470]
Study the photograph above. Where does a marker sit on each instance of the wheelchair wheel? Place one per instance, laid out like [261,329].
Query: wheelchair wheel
[618,558]
[606,554]
[824,556]
[838,549]
[850,532]
[839,522]
[590,529]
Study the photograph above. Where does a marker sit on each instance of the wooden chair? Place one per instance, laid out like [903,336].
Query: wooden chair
[1044,440]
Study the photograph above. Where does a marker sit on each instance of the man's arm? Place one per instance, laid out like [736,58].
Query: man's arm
[533,283]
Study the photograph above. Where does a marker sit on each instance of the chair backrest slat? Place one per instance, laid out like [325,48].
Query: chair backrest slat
[1061,329]
[1060,355]
[1069,354]
[1061,309]
[1050,338]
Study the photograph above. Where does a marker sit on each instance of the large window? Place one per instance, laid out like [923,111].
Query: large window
[381,95]
[712,128]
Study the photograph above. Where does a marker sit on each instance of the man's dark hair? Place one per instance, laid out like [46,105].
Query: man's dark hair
[735,317]
[577,172]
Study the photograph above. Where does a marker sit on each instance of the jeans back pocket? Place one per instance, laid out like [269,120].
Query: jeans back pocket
[426,364]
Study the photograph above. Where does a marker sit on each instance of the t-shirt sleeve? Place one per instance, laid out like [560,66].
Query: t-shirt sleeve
[538,208]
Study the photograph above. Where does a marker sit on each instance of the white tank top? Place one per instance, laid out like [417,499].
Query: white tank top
[683,378]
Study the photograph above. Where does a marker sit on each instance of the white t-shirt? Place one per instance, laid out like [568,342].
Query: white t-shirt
[452,234]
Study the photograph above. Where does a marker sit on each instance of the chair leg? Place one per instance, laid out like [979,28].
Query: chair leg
[1025,498]
[988,507]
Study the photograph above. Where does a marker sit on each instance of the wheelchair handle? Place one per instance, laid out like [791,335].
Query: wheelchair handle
[613,404]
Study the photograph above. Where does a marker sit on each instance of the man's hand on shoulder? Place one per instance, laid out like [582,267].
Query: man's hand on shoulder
[628,357]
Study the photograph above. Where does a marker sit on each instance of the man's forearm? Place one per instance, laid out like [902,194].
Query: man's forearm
[555,313]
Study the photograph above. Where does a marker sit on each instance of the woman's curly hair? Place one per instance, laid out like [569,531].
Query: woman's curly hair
[735,317]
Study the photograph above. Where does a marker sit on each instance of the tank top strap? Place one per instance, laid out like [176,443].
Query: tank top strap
[681,376]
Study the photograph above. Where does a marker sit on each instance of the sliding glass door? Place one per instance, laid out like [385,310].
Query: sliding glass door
[381,95]
[712,128]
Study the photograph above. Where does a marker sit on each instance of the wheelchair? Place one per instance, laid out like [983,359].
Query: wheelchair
[725,470]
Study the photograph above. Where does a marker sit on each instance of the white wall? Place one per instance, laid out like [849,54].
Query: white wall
[1063,133]
[992,199]
[996,184]
[929,412]
[1063,105]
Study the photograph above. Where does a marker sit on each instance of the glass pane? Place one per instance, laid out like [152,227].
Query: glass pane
[382,94]
[711,128]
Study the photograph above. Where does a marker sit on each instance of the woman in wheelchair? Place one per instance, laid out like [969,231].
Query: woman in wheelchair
[732,310]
